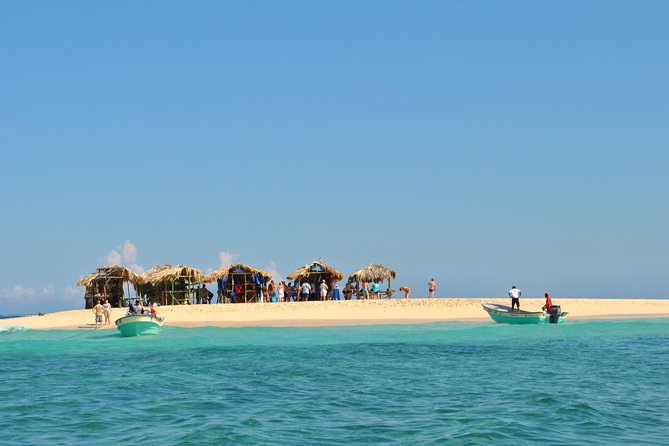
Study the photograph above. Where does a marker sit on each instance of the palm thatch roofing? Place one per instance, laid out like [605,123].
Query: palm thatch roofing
[238,267]
[105,273]
[315,267]
[166,273]
[373,273]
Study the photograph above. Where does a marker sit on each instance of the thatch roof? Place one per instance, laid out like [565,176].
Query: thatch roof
[373,273]
[105,273]
[150,275]
[307,270]
[167,273]
[224,272]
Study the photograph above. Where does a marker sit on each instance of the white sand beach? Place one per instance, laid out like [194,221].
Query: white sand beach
[356,312]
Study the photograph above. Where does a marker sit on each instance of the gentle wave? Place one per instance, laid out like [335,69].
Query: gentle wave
[12,328]
[587,382]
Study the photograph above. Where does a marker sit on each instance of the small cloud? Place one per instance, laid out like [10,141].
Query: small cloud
[126,255]
[20,293]
[129,252]
[113,258]
[272,269]
[71,291]
[21,299]
[227,258]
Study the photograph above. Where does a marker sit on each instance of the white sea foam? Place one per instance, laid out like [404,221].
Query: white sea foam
[12,328]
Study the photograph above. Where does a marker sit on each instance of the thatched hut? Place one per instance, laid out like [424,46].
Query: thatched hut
[373,273]
[171,285]
[238,283]
[107,283]
[314,273]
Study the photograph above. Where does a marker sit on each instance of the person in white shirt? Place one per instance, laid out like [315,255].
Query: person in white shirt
[514,294]
[306,290]
[324,290]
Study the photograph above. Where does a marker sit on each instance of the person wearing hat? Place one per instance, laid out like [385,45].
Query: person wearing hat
[324,289]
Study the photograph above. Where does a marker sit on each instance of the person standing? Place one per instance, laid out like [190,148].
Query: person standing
[99,311]
[270,291]
[206,294]
[431,286]
[281,289]
[406,290]
[365,290]
[375,290]
[306,290]
[514,294]
[348,291]
[107,307]
[324,289]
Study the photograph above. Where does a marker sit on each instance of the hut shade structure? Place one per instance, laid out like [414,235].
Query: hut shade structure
[238,283]
[107,283]
[314,273]
[171,285]
[374,272]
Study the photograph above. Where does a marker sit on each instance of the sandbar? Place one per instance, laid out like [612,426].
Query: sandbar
[354,312]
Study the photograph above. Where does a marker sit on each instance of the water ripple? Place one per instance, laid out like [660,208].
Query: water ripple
[599,383]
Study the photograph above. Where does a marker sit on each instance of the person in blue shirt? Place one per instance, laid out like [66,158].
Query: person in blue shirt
[375,290]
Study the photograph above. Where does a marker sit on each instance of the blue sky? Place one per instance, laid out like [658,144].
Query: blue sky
[481,143]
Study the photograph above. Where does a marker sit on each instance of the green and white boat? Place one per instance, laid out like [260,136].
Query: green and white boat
[504,314]
[139,325]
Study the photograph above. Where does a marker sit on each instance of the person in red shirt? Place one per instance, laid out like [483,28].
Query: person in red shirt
[549,303]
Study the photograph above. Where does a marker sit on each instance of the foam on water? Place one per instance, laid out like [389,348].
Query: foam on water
[596,382]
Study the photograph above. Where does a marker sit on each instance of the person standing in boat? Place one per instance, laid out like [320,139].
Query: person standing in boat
[549,303]
[514,294]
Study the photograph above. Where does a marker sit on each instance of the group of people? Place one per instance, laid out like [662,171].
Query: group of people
[515,293]
[202,295]
[103,311]
[294,292]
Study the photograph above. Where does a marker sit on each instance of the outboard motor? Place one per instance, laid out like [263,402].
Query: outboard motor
[555,313]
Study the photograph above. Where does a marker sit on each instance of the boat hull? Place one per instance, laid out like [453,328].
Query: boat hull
[139,325]
[505,315]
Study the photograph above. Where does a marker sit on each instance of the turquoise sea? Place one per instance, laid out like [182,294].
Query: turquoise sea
[604,382]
